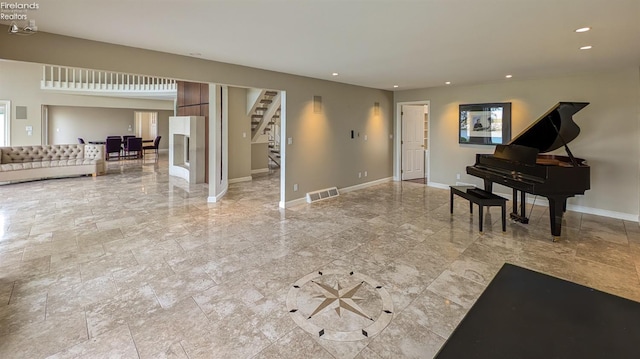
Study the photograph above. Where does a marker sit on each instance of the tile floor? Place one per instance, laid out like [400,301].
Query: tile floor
[136,264]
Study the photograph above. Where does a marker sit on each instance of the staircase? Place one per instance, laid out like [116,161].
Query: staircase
[265,111]
[106,83]
[265,123]
[274,140]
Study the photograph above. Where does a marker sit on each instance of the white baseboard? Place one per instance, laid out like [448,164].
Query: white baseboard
[365,185]
[292,203]
[260,170]
[240,179]
[437,185]
[542,201]
[604,213]
[216,198]
[303,200]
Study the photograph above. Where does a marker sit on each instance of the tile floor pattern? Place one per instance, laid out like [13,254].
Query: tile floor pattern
[136,264]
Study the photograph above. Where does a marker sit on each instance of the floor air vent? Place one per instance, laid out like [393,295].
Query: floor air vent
[322,194]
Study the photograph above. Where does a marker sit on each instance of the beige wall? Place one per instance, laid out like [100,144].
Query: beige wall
[321,155]
[259,156]
[67,123]
[239,134]
[20,83]
[609,138]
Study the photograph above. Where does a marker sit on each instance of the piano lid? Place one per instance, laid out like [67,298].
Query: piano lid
[553,130]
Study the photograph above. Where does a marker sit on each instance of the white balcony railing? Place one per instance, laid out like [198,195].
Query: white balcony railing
[76,79]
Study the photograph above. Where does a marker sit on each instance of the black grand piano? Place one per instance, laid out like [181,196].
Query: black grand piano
[521,166]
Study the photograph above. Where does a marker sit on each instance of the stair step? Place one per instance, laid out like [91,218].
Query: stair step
[264,100]
[261,108]
[256,116]
[267,129]
[275,116]
[275,151]
[271,93]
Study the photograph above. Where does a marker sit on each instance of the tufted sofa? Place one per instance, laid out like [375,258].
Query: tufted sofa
[20,163]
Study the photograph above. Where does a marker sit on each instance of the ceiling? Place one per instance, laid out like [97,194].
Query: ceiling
[373,43]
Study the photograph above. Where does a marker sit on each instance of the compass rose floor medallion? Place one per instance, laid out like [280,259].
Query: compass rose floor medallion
[340,305]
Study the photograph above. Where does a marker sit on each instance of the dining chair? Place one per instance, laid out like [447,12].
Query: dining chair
[133,145]
[113,145]
[153,147]
[125,138]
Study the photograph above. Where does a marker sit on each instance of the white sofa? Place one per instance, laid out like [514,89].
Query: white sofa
[20,163]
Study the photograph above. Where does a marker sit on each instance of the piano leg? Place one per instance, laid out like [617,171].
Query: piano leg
[556,209]
[523,207]
[522,217]
[488,186]
[514,210]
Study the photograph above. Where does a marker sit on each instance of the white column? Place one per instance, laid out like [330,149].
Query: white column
[218,146]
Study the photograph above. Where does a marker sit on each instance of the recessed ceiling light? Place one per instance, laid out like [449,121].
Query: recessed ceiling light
[583,29]
[509,76]
[448,83]
[334,74]
[395,86]
[586,47]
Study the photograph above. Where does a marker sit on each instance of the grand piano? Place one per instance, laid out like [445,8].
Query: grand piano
[522,166]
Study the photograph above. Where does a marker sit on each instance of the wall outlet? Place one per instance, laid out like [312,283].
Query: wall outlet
[365,173]
[290,140]
[365,137]
[458,176]
[359,174]
[295,187]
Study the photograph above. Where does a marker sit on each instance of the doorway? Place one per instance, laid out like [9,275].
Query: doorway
[413,148]
[146,125]
[5,123]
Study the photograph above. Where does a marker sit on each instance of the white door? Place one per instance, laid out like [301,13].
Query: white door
[412,142]
[146,125]
[153,125]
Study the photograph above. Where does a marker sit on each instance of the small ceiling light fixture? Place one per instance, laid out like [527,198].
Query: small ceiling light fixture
[448,83]
[509,76]
[586,47]
[583,29]
[28,29]
[395,86]
[335,74]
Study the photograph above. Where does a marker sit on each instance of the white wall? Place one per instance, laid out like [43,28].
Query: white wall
[609,138]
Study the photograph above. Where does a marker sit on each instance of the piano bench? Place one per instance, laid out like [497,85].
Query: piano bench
[482,199]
